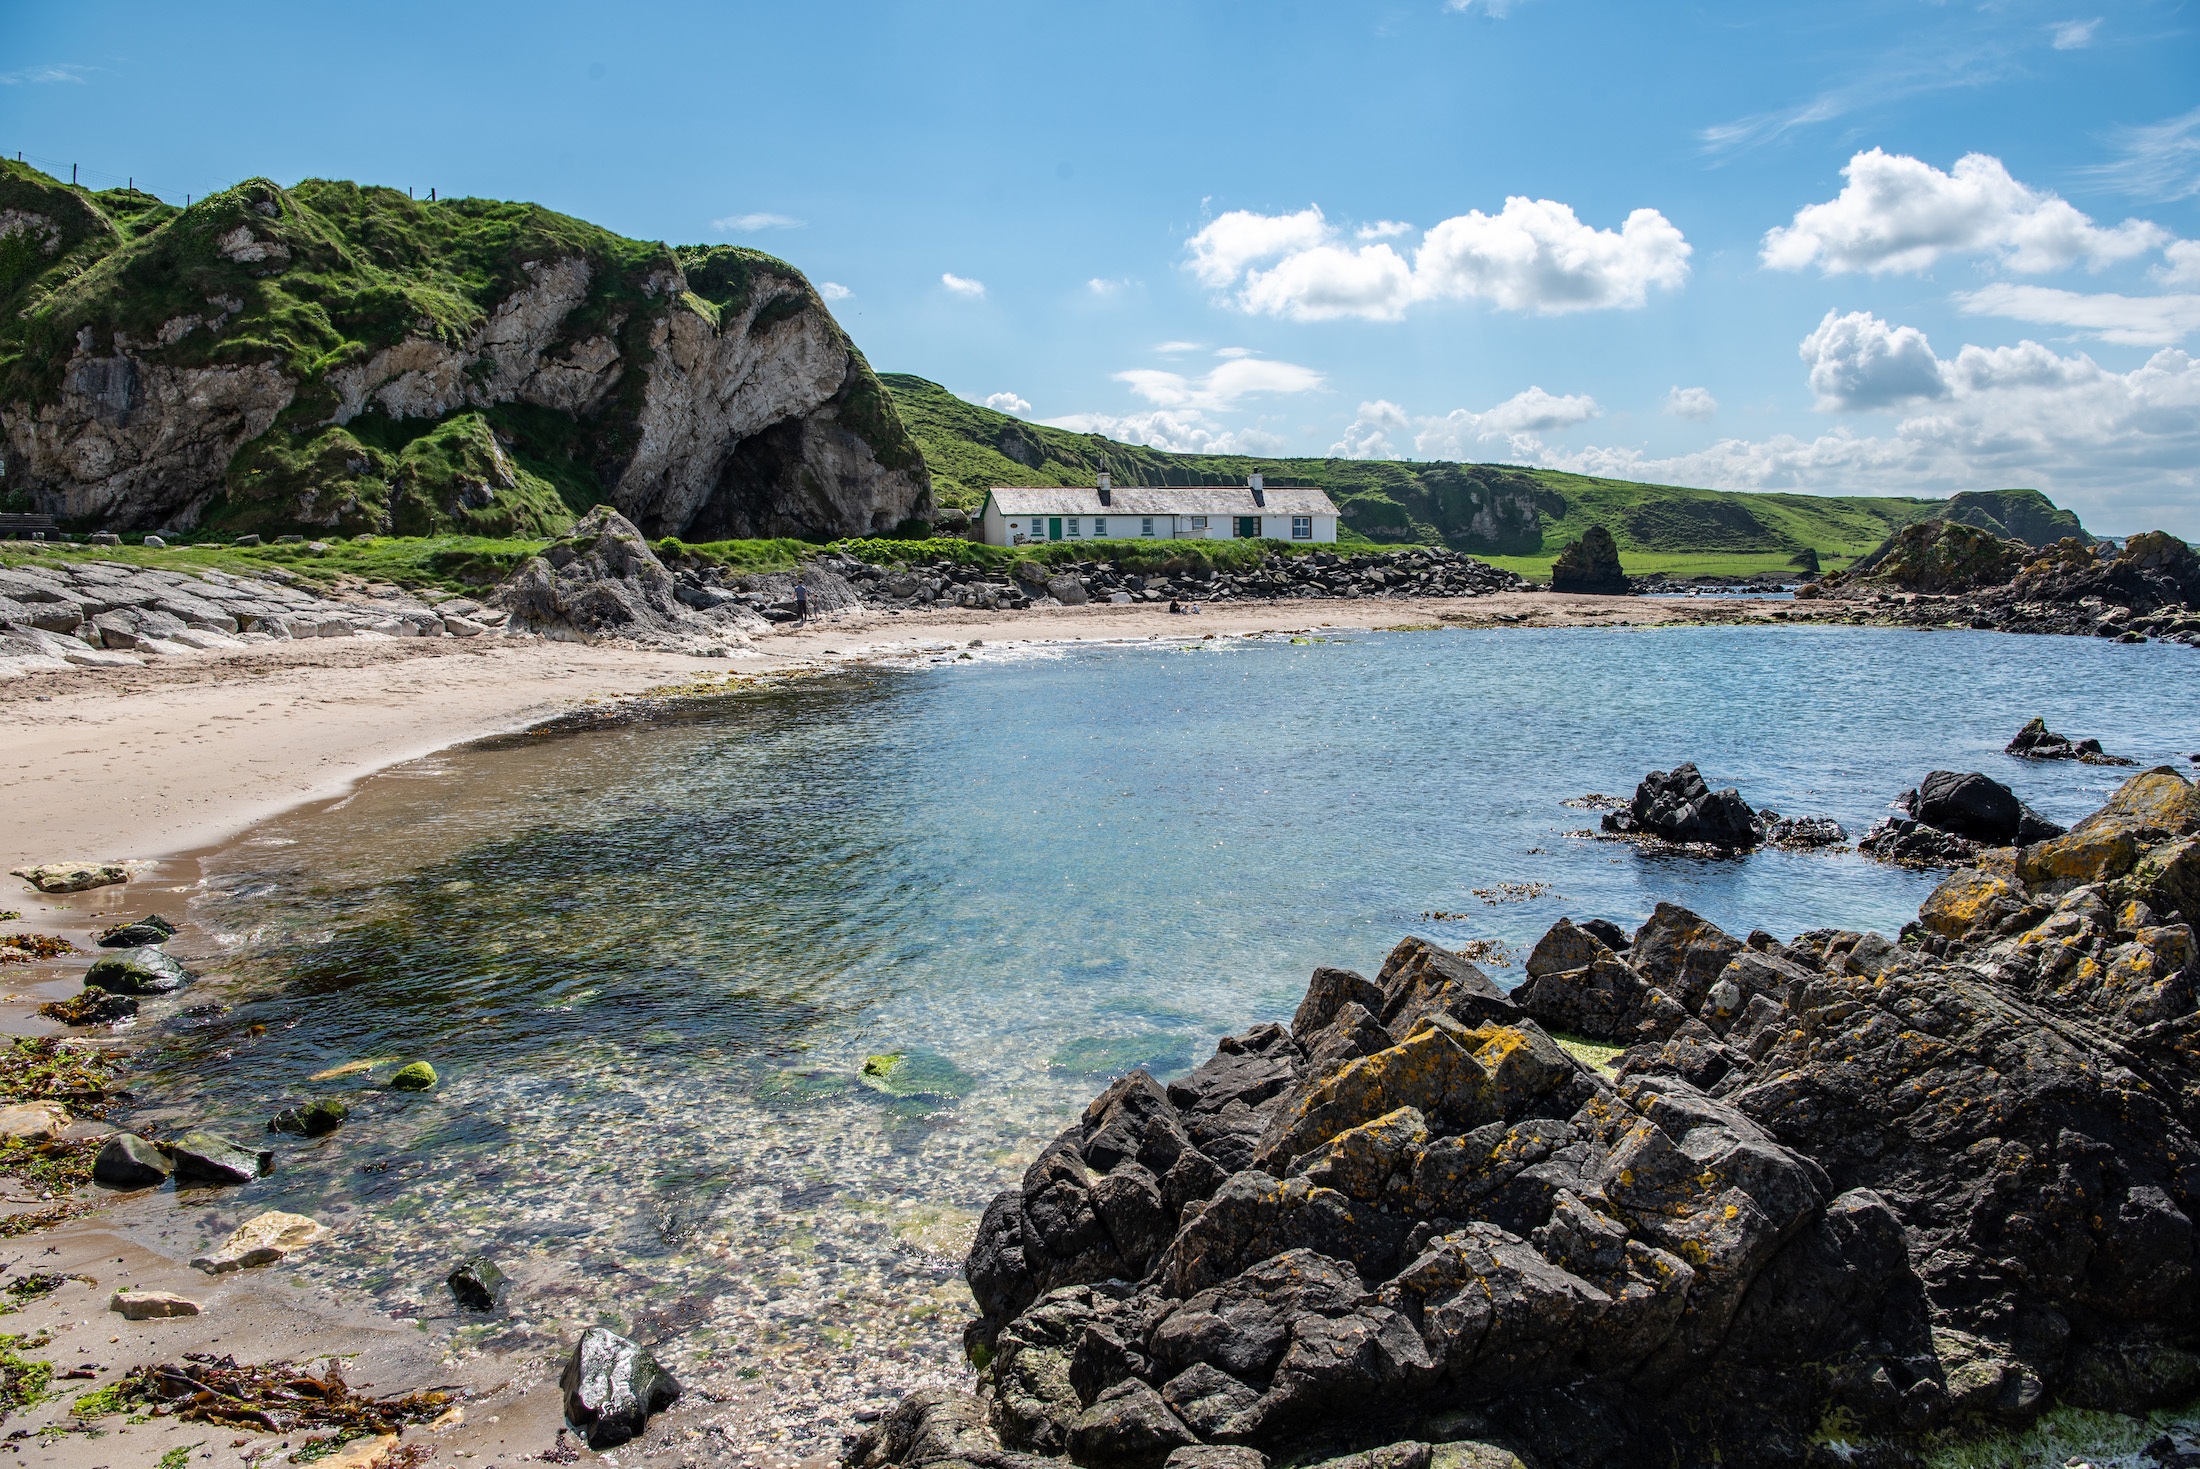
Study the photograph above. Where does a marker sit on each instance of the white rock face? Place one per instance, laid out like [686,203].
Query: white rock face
[738,431]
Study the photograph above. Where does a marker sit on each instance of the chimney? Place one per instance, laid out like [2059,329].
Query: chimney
[1258,486]
[1105,495]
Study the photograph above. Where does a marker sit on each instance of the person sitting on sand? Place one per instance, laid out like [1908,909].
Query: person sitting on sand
[1175,606]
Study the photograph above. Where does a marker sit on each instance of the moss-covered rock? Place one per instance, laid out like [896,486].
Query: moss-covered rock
[1940,556]
[907,1075]
[416,1076]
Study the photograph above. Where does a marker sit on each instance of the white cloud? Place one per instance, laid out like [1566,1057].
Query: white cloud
[1690,403]
[1223,388]
[1383,229]
[1494,9]
[1368,435]
[1858,361]
[1177,431]
[1175,347]
[1535,255]
[1897,213]
[31,76]
[2143,321]
[1101,286]
[1235,352]
[2076,35]
[2121,445]
[962,285]
[1517,424]
[2161,160]
[1005,403]
[2180,263]
[833,291]
[750,224]
[1233,241]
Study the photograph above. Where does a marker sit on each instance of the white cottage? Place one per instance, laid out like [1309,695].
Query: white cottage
[1023,516]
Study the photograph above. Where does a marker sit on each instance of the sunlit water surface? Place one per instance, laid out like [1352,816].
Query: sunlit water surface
[649,962]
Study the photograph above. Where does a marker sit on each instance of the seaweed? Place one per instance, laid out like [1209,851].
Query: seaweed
[272,1397]
[22,948]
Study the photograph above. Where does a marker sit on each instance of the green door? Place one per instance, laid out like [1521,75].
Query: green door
[1248,526]
[1054,527]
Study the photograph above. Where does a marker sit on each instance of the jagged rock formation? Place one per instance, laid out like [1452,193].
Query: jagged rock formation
[1942,556]
[343,359]
[1678,807]
[1950,817]
[1590,564]
[2037,742]
[604,583]
[1839,1195]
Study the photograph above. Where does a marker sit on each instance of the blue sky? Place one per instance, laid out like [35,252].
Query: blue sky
[1887,246]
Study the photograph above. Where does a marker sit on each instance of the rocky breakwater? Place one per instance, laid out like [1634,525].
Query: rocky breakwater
[1938,574]
[1840,1197]
[1950,818]
[603,583]
[57,614]
[1188,577]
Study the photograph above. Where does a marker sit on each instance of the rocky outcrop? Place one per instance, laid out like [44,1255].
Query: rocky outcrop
[2150,588]
[1950,818]
[1914,1189]
[1678,807]
[1942,556]
[448,375]
[603,582]
[1590,564]
[2037,742]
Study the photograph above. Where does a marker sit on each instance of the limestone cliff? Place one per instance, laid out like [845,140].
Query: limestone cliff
[332,358]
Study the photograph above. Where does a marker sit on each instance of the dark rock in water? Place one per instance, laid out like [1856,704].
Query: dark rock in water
[1608,933]
[1679,807]
[205,1158]
[316,1118]
[2037,742]
[1979,809]
[1802,833]
[1590,564]
[141,971]
[612,1386]
[129,1161]
[477,1284]
[1911,843]
[137,933]
[90,1007]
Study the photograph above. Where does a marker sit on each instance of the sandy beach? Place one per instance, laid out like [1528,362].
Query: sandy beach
[151,765]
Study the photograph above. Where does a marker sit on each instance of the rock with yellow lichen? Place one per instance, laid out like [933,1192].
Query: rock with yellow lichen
[1912,1188]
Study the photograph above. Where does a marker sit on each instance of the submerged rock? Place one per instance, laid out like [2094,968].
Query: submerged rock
[611,1387]
[1914,1188]
[129,1161]
[1802,833]
[907,1075]
[320,1116]
[477,1284]
[72,877]
[141,971]
[1679,807]
[205,1158]
[262,1241]
[2037,742]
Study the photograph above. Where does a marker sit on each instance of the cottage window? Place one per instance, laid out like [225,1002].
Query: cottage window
[1302,527]
[1073,531]
[1199,522]
[1099,525]
[1145,525]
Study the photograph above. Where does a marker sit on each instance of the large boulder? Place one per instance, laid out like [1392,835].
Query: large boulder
[1678,806]
[612,1386]
[1979,809]
[603,581]
[147,970]
[1590,564]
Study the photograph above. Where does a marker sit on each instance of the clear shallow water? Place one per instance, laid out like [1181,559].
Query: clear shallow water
[649,961]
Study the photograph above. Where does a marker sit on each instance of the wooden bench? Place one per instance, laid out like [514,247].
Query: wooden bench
[36,526]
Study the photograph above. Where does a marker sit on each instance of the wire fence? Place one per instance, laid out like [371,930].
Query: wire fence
[99,178]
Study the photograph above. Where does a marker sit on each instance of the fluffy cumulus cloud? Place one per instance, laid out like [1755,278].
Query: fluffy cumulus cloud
[1186,406]
[2180,264]
[1374,432]
[1006,403]
[1178,432]
[1535,255]
[1228,385]
[1690,403]
[1898,213]
[1858,361]
[2140,321]
[833,291]
[962,285]
[2121,447]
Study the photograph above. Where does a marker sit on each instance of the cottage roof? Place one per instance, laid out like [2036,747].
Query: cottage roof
[1158,500]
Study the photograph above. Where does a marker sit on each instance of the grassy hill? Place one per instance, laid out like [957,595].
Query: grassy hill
[1517,517]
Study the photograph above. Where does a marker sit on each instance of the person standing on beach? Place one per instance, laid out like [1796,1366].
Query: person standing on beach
[802,601]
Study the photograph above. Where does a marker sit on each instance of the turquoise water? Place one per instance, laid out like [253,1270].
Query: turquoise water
[650,961]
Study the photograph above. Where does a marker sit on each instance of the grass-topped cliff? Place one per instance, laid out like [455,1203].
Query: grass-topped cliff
[1517,516]
[340,357]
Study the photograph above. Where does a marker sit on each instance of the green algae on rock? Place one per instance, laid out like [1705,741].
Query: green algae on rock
[418,1076]
[910,1075]
[320,1116]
